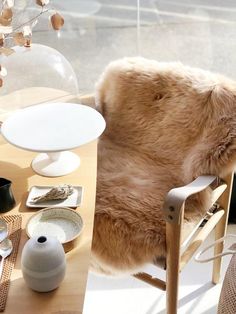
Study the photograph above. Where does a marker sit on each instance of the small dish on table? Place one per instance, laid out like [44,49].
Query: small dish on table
[63,223]
[73,200]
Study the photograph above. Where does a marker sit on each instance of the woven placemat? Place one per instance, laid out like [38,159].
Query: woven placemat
[14,231]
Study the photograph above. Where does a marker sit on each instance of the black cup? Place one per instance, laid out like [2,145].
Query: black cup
[7,201]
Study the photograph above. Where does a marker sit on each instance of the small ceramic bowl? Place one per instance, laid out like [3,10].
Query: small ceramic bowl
[63,223]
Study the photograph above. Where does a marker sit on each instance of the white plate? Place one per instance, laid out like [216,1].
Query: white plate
[63,223]
[72,200]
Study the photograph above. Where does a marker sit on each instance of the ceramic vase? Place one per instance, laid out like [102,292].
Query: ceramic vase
[7,201]
[43,263]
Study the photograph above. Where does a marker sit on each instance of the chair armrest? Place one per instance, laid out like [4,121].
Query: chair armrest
[176,197]
[88,100]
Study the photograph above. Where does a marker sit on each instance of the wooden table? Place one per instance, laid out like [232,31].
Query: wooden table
[69,297]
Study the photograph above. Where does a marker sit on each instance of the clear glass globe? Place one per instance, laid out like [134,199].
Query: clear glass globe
[35,74]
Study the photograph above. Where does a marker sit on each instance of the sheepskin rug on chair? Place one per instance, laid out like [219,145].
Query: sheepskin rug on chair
[166,125]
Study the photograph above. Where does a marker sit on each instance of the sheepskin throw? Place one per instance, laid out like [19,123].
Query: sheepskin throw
[166,125]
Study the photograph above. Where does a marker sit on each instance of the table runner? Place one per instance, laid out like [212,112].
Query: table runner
[14,231]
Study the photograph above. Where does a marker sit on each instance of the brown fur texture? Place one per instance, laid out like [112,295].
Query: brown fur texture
[166,125]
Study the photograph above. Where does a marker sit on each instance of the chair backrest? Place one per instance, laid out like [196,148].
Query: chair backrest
[181,116]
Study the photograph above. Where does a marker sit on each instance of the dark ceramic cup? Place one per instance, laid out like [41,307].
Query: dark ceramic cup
[7,201]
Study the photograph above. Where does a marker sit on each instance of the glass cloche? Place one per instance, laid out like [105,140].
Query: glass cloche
[35,74]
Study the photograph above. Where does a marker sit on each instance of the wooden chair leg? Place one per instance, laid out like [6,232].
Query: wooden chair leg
[173,236]
[172,286]
[219,232]
[221,227]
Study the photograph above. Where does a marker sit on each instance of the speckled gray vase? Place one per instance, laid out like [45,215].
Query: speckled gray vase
[43,263]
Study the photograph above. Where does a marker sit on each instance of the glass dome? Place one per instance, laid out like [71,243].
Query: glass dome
[35,74]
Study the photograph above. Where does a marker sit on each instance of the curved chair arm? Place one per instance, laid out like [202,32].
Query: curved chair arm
[88,100]
[176,197]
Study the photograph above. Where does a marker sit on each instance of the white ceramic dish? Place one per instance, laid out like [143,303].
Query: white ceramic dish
[63,223]
[74,200]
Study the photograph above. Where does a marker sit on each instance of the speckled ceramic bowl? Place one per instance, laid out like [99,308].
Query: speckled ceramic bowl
[63,223]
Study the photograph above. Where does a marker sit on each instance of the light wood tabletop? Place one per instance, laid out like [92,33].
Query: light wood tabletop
[69,297]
